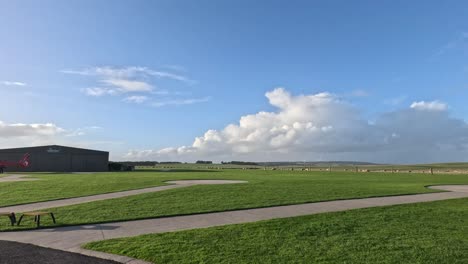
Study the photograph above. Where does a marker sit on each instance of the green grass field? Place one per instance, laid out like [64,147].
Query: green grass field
[435,232]
[53,186]
[264,188]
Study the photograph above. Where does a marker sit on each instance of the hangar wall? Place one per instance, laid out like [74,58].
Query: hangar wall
[55,158]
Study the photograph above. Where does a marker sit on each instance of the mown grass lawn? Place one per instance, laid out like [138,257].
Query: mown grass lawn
[51,186]
[435,232]
[264,188]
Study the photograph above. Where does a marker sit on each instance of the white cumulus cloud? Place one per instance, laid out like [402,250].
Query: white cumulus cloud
[22,130]
[99,91]
[132,82]
[321,126]
[19,134]
[429,106]
[129,85]
[138,99]
[185,101]
[126,73]
[13,83]
[13,135]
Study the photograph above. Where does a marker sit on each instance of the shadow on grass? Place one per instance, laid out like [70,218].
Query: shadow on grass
[66,228]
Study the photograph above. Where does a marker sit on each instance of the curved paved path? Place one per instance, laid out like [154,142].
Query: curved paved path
[70,238]
[105,196]
[17,178]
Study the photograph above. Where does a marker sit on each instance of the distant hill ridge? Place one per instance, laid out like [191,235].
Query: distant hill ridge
[268,163]
[317,163]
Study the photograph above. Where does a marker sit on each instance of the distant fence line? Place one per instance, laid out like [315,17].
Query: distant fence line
[357,169]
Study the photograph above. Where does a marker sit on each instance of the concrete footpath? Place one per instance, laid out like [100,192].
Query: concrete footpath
[17,178]
[70,238]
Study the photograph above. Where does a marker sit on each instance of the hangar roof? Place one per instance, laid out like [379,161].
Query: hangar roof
[51,149]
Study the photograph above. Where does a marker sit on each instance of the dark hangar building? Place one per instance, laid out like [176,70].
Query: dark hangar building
[55,158]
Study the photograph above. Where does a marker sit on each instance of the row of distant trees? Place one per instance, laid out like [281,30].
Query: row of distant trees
[204,162]
[240,163]
[148,163]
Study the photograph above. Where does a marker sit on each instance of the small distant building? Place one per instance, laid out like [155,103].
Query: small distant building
[55,158]
[118,166]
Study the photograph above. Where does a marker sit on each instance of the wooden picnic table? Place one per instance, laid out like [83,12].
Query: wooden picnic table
[10,215]
[37,217]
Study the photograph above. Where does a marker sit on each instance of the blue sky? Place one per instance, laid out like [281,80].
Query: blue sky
[144,76]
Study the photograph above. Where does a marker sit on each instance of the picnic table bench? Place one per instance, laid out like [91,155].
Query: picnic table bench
[37,217]
[10,215]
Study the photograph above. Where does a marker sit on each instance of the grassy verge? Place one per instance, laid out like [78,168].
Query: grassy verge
[435,232]
[265,188]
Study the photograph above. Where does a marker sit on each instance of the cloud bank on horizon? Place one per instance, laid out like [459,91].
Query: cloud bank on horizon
[319,126]
[324,127]
[14,135]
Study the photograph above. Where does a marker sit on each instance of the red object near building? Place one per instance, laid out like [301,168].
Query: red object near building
[23,163]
